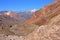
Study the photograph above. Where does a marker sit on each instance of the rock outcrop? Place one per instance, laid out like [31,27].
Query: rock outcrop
[47,32]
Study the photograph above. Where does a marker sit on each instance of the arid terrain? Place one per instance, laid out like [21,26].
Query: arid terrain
[43,24]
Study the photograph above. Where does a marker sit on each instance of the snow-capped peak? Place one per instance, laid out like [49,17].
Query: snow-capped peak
[33,10]
[8,13]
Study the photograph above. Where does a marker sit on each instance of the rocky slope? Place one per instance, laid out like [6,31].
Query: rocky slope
[47,32]
[50,31]
[7,20]
[43,15]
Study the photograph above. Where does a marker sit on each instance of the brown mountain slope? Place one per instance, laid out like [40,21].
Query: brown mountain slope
[47,32]
[7,20]
[50,31]
[43,15]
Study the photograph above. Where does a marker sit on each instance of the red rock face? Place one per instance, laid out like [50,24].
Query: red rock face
[43,15]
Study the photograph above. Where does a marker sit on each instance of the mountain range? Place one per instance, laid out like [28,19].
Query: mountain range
[43,24]
[9,18]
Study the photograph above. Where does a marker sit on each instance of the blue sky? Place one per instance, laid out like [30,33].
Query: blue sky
[16,5]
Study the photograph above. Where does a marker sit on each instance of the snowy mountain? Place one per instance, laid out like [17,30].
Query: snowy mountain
[27,14]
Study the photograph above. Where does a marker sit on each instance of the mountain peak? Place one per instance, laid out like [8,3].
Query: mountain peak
[11,14]
[8,13]
[33,10]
